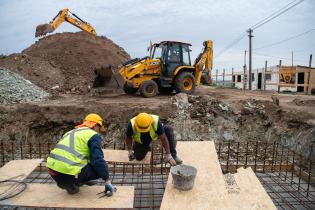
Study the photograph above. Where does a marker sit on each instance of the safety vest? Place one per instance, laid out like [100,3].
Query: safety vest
[153,128]
[72,152]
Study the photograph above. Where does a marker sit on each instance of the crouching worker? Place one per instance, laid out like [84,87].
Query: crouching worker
[145,128]
[78,159]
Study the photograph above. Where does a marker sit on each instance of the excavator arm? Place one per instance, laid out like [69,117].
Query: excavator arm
[203,64]
[62,16]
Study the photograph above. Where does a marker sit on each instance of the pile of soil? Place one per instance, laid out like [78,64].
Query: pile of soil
[65,62]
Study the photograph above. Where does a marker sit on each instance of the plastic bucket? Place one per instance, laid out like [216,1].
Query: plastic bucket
[183,176]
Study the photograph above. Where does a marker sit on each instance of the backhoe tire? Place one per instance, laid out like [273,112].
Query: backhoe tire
[148,89]
[185,83]
[130,90]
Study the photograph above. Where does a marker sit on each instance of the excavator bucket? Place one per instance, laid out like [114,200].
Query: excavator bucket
[104,75]
[43,29]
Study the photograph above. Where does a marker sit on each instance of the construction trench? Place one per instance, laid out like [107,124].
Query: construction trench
[249,129]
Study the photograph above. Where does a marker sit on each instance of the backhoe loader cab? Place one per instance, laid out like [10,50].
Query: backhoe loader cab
[168,68]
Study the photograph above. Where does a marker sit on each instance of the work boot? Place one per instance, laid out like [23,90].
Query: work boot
[178,160]
[72,189]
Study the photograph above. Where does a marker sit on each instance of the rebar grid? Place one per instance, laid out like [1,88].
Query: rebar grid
[287,176]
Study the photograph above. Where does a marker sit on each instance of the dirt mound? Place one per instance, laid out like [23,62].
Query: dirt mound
[64,62]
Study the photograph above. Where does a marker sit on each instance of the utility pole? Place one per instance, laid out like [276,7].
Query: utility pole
[244,75]
[223,77]
[292,58]
[266,63]
[279,75]
[250,31]
[310,64]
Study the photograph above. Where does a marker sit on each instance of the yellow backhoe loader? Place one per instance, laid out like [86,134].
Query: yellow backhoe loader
[167,68]
[62,16]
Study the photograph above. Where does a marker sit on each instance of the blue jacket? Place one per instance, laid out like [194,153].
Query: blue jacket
[97,157]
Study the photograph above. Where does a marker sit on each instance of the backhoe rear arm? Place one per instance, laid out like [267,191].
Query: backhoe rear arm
[64,15]
[206,61]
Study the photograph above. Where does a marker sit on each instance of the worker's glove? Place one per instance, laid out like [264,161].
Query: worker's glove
[109,189]
[169,159]
[131,155]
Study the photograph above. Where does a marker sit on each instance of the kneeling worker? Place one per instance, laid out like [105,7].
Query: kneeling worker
[78,157]
[144,128]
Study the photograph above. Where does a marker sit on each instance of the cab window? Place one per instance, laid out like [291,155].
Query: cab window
[186,57]
[173,54]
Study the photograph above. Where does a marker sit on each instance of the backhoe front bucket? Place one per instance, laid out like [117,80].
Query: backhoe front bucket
[104,75]
[43,29]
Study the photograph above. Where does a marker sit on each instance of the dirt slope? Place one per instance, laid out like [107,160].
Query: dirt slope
[64,62]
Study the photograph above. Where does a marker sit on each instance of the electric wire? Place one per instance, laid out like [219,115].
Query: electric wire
[276,14]
[234,42]
[285,40]
[261,21]
[17,188]
[281,58]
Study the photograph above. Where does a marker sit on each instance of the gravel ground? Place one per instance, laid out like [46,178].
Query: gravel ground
[16,89]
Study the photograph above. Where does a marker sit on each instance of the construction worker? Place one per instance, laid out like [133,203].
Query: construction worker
[78,158]
[144,128]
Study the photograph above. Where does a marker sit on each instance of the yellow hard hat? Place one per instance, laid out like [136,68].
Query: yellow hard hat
[143,122]
[91,119]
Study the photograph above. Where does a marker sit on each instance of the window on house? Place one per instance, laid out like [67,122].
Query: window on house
[239,78]
[253,77]
[268,77]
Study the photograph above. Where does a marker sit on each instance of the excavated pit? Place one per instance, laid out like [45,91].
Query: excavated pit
[247,132]
[194,118]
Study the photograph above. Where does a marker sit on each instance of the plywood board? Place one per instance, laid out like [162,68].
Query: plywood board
[209,190]
[17,170]
[50,196]
[251,194]
[20,168]
[121,156]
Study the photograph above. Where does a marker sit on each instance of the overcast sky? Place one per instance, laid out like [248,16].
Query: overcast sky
[132,24]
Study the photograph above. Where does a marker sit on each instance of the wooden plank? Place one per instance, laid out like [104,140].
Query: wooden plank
[209,190]
[121,156]
[21,168]
[50,196]
[251,194]
[17,170]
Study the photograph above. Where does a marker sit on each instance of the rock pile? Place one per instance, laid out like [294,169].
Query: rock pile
[16,89]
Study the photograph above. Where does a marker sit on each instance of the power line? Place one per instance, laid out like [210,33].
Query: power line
[305,49]
[287,39]
[276,14]
[281,58]
[234,42]
[261,23]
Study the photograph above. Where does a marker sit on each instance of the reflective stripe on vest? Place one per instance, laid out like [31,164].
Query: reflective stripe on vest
[65,160]
[71,149]
[153,128]
[71,153]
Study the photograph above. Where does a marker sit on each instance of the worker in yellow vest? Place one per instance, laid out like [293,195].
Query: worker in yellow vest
[78,158]
[145,128]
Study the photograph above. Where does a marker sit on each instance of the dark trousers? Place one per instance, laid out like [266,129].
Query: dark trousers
[64,180]
[141,150]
